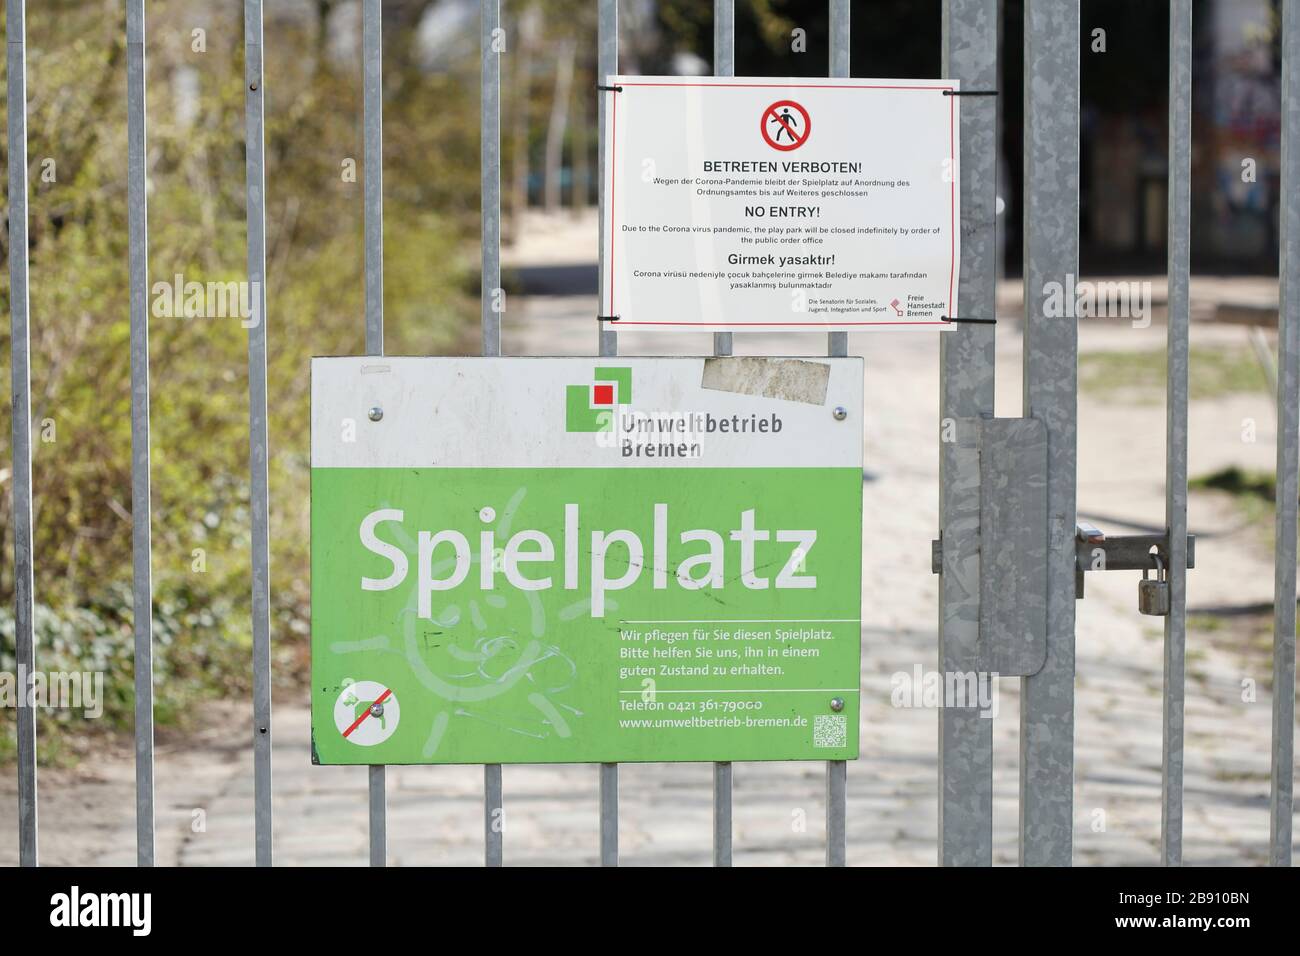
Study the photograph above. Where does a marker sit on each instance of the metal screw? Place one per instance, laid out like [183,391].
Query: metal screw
[377,710]
[840,413]
[252,86]
[376,413]
[837,704]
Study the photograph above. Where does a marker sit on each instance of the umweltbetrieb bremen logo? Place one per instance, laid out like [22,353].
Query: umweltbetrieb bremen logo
[591,408]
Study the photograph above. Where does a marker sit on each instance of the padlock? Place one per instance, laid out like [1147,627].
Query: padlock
[1153,595]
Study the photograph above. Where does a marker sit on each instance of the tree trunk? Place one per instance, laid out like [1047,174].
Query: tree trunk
[581,154]
[519,116]
[559,122]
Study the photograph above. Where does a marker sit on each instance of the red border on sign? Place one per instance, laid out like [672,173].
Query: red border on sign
[952,265]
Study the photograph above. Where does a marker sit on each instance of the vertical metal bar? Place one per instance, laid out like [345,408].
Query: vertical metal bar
[1051,229]
[493,810]
[141,549]
[839,38]
[836,811]
[490,170]
[606,64]
[1288,453]
[20,358]
[970,54]
[378,815]
[724,64]
[609,814]
[837,343]
[372,68]
[724,37]
[491,305]
[722,827]
[1180,241]
[255,168]
[372,32]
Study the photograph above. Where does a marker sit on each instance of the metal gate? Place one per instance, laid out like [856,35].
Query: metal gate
[983,551]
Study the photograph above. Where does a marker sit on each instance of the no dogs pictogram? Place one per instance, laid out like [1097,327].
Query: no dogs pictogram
[785,125]
[366,712]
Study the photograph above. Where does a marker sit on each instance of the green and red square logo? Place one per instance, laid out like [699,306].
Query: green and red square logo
[591,408]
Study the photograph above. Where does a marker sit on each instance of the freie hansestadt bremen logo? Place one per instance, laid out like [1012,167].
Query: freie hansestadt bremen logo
[591,408]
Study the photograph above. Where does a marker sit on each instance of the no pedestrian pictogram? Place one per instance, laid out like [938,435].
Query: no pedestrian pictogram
[785,125]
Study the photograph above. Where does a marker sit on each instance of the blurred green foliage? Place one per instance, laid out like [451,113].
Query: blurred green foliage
[1139,377]
[1243,482]
[79,308]
[80,321]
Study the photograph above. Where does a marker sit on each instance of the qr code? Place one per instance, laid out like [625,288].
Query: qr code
[831,730]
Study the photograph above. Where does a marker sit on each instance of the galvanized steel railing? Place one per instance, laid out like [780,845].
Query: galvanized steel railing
[1051,204]
[21,390]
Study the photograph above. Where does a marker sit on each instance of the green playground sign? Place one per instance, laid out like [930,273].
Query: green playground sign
[583,560]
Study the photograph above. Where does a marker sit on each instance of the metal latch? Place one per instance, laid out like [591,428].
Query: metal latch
[1094,551]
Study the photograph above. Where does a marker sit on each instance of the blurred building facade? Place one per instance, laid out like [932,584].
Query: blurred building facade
[548,106]
[1235,146]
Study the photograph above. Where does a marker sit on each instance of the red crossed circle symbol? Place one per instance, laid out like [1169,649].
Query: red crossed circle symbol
[781,129]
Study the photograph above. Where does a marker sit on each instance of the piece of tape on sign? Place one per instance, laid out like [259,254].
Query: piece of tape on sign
[791,380]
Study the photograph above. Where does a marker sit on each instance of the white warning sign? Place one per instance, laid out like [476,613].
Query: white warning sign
[736,203]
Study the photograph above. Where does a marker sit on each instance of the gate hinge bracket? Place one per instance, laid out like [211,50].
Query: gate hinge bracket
[996,527]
